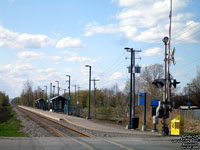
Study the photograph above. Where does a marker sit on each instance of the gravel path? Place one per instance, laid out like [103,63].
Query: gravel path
[30,127]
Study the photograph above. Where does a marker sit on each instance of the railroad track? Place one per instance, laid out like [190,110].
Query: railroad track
[61,130]
[56,128]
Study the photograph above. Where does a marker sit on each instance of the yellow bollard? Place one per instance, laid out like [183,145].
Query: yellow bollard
[177,125]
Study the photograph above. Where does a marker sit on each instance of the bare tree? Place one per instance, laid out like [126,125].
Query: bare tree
[28,93]
[195,89]
[148,75]
[143,82]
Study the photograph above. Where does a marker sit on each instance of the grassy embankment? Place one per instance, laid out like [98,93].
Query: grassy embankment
[11,126]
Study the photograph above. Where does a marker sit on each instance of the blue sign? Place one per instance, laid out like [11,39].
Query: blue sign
[188,103]
[142,98]
[154,102]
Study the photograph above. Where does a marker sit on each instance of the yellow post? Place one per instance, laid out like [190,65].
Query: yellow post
[177,125]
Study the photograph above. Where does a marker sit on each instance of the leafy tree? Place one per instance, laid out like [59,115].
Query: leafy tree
[4,99]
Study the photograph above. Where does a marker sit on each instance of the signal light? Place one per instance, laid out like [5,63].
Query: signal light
[174,83]
[158,83]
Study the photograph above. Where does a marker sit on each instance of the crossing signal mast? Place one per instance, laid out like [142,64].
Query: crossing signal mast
[167,82]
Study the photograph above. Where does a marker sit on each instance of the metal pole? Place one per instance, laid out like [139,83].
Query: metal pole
[78,93]
[89,117]
[53,90]
[132,87]
[50,90]
[78,111]
[165,129]
[64,90]
[94,97]
[75,98]
[58,87]
[46,91]
[69,95]
[75,92]
[130,97]
[144,126]
[189,86]
[89,94]
[133,67]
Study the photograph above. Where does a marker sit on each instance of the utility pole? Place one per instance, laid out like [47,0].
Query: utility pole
[189,86]
[94,97]
[78,94]
[69,97]
[58,87]
[132,86]
[54,90]
[64,91]
[50,90]
[46,104]
[46,91]
[89,91]
[75,91]
[77,104]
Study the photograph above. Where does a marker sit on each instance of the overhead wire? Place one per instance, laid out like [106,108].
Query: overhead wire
[180,32]
[114,63]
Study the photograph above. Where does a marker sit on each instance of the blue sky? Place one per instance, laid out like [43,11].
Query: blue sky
[44,40]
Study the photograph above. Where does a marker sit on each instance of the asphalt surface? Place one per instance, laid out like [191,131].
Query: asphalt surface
[54,143]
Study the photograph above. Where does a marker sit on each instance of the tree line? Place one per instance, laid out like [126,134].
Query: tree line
[4,99]
[113,102]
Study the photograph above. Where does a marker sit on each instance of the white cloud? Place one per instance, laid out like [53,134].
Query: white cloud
[179,73]
[74,57]
[179,58]
[69,42]
[94,28]
[148,21]
[156,51]
[29,55]
[48,70]
[16,40]
[129,3]
[115,76]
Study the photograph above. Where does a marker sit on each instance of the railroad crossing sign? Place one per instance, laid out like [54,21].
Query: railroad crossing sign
[172,56]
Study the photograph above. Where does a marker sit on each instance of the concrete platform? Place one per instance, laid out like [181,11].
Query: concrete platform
[85,123]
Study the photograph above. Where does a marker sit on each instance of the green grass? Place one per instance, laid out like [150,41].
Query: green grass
[11,127]
[192,133]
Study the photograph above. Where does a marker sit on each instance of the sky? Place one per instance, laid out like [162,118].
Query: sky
[43,41]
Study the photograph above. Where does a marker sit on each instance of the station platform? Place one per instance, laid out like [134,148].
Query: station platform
[85,123]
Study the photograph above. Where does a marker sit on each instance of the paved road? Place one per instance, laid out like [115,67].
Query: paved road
[53,143]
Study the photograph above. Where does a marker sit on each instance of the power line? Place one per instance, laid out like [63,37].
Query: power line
[180,32]
[113,64]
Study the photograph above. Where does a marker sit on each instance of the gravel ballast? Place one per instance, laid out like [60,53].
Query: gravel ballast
[30,127]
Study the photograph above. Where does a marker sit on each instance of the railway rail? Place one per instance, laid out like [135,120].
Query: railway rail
[62,130]
[56,128]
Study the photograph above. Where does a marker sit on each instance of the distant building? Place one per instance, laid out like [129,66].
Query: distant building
[57,103]
[40,103]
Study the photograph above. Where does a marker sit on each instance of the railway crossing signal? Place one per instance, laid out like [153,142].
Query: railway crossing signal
[174,83]
[172,56]
[159,83]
